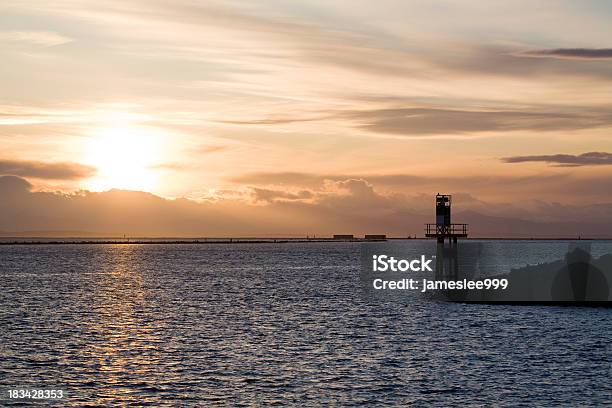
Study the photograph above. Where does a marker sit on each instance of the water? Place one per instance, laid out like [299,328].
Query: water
[286,324]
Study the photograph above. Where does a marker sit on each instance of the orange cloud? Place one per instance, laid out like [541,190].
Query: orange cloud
[347,205]
[46,170]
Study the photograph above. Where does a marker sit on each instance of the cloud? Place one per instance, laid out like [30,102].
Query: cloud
[271,121]
[44,38]
[269,195]
[190,65]
[554,186]
[572,53]
[14,185]
[431,121]
[515,62]
[273,34]
[394,180]
[282,178]
[352,206]
[207,149]
[566,160]
[46,170]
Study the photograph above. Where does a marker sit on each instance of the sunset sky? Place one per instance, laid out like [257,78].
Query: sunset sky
[316,114]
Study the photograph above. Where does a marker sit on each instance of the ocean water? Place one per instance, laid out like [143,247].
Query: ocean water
[277,324]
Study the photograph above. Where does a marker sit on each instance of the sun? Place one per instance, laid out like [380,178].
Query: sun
[125,158]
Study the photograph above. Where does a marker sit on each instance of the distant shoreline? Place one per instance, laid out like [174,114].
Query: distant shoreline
[246,240]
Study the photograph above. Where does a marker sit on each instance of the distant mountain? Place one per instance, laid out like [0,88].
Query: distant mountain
[505,227]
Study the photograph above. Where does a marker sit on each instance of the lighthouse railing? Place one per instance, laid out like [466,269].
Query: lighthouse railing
[441,229]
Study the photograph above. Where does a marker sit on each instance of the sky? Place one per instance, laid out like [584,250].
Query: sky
[278,117]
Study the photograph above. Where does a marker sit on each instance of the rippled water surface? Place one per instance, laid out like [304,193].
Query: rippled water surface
[260,324]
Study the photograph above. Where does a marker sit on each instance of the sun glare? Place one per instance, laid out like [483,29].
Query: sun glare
[124,158]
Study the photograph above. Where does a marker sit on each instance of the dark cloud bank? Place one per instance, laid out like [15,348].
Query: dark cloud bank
[46,170]
[566,160]
[347,206]
[426,121]
[430,121]
[573,53]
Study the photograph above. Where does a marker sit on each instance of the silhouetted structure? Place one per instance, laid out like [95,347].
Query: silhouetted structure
[447,264]
[443,228]
[344,236]
[375,237]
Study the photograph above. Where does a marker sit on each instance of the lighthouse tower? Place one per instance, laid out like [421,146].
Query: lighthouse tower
[443,228]
[447,261]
